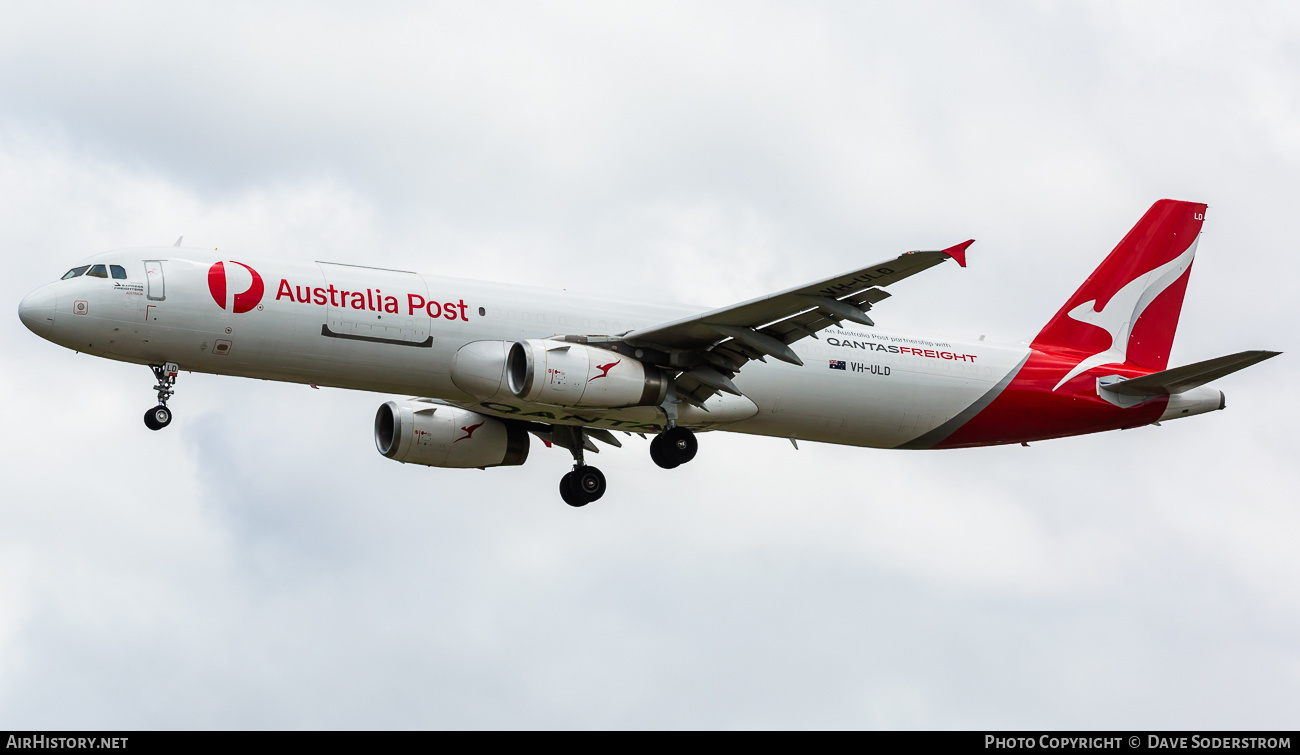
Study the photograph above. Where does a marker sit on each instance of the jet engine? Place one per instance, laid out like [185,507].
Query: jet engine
[574,374]
[437,435]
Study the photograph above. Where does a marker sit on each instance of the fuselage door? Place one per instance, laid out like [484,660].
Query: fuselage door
[379,306]
[153,275]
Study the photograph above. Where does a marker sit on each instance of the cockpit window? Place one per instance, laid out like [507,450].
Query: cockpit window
[98,271]
[119,272]
[74,272]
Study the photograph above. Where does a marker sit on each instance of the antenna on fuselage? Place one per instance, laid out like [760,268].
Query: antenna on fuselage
[178,241]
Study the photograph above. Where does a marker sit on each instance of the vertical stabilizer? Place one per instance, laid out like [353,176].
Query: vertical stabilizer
[1127,310]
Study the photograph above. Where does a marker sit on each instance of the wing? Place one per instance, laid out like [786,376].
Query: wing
[711,348]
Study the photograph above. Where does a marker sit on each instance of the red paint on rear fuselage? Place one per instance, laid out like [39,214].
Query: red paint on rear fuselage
[1029,410]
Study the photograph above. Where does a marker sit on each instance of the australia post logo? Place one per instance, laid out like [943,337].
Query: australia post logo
[371,299]
[242,281]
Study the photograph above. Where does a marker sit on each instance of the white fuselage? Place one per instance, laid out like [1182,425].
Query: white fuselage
[398,332]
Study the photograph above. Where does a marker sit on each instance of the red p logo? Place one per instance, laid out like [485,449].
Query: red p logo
[243,302]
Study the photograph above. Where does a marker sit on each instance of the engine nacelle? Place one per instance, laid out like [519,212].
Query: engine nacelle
[574,374]
[436,435]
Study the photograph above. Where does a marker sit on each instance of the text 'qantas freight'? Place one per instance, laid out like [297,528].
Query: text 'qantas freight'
[496,363]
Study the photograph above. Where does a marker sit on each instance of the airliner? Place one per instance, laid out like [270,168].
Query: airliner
[490,366]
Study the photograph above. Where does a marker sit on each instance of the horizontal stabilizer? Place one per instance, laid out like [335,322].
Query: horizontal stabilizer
[1187,377]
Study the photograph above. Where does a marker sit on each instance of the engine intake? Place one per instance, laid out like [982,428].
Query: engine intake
[573,374]
[436,435]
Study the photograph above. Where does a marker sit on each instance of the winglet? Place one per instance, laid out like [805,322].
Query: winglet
[959,252]
[178,240]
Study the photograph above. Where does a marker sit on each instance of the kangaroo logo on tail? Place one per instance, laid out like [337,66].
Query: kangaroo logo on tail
[1123,310]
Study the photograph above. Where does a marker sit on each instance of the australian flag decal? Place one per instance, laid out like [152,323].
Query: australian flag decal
[837,364]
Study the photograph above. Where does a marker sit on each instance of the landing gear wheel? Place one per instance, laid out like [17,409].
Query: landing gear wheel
[590,482]
[674,447]
[158,417]
[571,494]
[582,486]
[681,444]
[659,456]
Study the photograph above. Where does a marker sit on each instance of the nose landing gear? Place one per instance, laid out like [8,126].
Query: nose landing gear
[160,416]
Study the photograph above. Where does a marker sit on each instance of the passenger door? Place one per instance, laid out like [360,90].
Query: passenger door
[155,288]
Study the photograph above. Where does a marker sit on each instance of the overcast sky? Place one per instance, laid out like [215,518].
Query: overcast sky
[259,564]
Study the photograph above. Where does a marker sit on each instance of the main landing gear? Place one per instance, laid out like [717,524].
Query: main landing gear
[676,445]
[584,484]
[669,449]
[160,416]
[673,447]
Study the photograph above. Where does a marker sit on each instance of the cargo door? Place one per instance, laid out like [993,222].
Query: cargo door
[375,306]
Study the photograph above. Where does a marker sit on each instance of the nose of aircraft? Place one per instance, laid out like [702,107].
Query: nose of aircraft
[36,311]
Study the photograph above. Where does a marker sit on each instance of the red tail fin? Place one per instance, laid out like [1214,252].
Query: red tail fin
[1127,310]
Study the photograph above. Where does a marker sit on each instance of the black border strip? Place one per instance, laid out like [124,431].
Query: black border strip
[1114,741]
